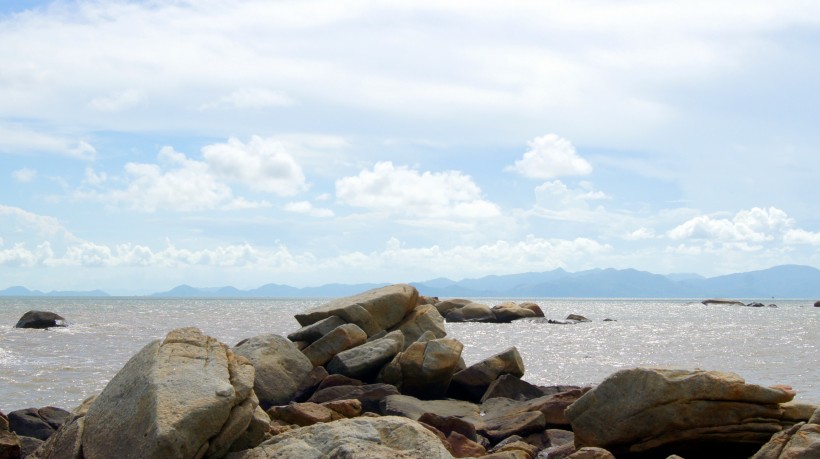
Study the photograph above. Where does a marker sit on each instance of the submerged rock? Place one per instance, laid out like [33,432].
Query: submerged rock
[40,319]
[723,301]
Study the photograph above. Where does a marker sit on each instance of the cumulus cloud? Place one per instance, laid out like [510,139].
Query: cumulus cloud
[800,236]
[551,156]
[753,225]
[251,98]
[261,164]
[24,175]
[402,190]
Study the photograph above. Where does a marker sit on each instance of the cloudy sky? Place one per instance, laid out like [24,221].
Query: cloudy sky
[145,144]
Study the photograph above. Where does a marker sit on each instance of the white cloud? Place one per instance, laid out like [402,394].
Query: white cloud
[753,225]
[640,234]
[406,191]
[261,164]
[551,156]
[19,139]
[251,98]
[24,175]
[116,101]
[800,236]
[305,207]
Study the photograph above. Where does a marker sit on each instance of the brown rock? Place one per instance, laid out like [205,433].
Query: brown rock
[472,382]
[448,424]
[309,384]
[314,331]
[413,408]
[424,369]
[512,387]
[349,408]
[303,414]
[365,361]
[534,308]
[338,380]
[508,312]
[471,312]
[522,424]
[369,395]
[591,452]
[279,368]
[443,307]
[462,446]
[10,447]
[517,445]
[424,318]
[339,339]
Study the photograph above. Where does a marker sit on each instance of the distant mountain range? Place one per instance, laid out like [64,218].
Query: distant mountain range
[786,281]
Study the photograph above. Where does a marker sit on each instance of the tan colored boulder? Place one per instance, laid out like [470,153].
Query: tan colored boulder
[462,446]
[590,452]
[472,382]
[522,424]
[373,311]
[424,369]
[508,312]
[349,408]
[534,308]
[800,441]
[342,338]
[314,331]
[10,447]
[361,438]
[187,396]
[517,445]
[443,307]
[643,410]
[365,361]
[279,365]
[471,312]
[303,414]
[422,319]
[414,408]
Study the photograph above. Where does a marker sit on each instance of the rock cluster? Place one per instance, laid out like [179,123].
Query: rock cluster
[374,376]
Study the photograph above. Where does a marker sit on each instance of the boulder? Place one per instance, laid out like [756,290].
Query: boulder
[314,331]
[40,319]
[448,424]
[66,443]
[471,312]
[28,446]
[187,396]
[340,339]
[756,304]
[522,423]
[513,387]
[370,395]
[361,438]
[373,311]
[700,412]
[279,366]
[577,318]
[29,423]
[423,319]
[303,414]
[591,452]
[10,447]
[534,308]
[723,301]
[817,304]
[446,306]
[258,431]
[424,369]
[462,446]
[473,381]
[507,312]
[348,408]
[515,445]
[364,361]
[309,384]
[338,380]
[414,408]
[800,441]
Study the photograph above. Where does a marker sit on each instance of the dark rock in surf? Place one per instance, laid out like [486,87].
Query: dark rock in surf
[40,319]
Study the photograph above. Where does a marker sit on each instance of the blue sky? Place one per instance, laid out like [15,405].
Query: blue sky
[148,144]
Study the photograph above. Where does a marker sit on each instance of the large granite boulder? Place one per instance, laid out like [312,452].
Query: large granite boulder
[364,361]
[185,396]
[279,366]
[358,438]
[373,311]
[470,312]
[472,382]
[414,408]
[316,330]
[342,338]
[512,387]
[801,441]
[446,306]
[40,319]
[692,413]
[425,368]
[66,443]
[507,312]
[422,319]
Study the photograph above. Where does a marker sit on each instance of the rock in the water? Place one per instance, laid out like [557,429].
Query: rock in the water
[360,438]
[373,311]
[423,319]
[424,369]
[507,312]
[755,304]
[817,304]
[40,319]
[187,396]
[723,301]
[534,308]
[280,368]
[643,410]
[446,306]
[472,382]
[577,318]
[340,339]
[471,312]
[365,361]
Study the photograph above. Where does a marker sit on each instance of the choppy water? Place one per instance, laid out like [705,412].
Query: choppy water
[61,367]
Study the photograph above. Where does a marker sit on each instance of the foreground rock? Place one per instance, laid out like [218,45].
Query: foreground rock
[801,441]
[40,319]
[373,311]
[37,423]
[279,368]
[361,438]
[187,396]
[691,413]
[472,382]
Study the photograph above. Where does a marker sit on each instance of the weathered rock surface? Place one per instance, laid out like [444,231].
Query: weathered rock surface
[643,410]
[359,438]
[800,441]
[522,423]
[309,384]
[462,446]
[422,319]
[66,443]
[373,311]
[449,424]
[37,423]
[40,319]
[472,382]
[414,408]
[370,395]
[425,368]
[508,312]
[365,361]
[339,339]
[314,331]
[279,366]
[446,306]
[471,312]
[512,387]
[591,452]
[187,396]
[10,447]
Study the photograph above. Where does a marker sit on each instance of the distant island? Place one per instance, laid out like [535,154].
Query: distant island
[785,281]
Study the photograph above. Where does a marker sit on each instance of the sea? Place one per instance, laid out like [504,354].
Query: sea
[767,346]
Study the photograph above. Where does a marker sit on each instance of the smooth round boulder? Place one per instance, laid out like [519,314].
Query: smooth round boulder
[280,368]
[40,319]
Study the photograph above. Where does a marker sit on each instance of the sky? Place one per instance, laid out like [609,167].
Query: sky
[147,144]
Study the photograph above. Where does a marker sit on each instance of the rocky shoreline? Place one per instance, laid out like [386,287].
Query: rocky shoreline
[375,375]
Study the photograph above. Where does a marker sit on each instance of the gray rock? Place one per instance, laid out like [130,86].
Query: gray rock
[373,311]
[27,422]
[365,361]
[511,386]
[340,339]
[472,382]
[414,408]
[419,321]
[314,331]
[360,438]
[370,395]
[424,369]
[40,319]
[279,366]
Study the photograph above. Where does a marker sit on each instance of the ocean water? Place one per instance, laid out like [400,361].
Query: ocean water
[63,366]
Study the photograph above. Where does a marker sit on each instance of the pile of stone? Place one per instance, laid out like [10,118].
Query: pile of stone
[375,376]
